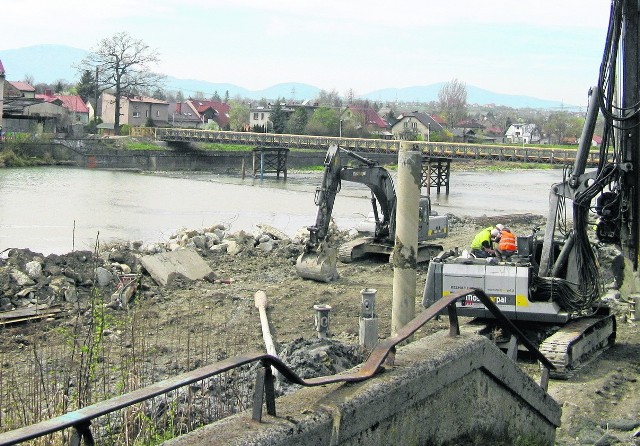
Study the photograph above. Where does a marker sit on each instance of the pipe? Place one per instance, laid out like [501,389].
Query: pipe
[260,301]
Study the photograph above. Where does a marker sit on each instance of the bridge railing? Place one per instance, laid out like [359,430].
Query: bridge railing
[449,150]
[264,391]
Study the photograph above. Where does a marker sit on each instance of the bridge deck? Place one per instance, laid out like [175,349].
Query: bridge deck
[446,150]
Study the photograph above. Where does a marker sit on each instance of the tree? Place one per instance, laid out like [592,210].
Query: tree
[558,124]
[323,122]
[179,96]
[226,97]
[159,93]
[238,115]
[329,98]
[216,97]
[123,64]
[452,102]
[278,118]
[86,87]
[298,121]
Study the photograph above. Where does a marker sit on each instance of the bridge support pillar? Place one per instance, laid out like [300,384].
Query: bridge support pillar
[270,159]
[436,173]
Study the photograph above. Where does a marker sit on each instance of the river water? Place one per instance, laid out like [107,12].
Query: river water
[58,209]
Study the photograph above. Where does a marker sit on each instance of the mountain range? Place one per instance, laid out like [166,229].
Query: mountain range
[50,63]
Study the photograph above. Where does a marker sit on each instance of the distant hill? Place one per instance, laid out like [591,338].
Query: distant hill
[50,63]
[475,95]
[45,63]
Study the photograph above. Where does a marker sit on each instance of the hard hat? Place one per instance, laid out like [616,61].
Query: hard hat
[499,227]
[495,233]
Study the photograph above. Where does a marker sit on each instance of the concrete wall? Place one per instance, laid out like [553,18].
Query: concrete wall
[168,160]
[442,391]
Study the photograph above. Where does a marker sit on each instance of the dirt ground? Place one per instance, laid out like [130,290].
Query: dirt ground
[601,403]
[214,319]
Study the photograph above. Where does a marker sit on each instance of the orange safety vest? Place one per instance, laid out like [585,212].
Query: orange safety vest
[507,241]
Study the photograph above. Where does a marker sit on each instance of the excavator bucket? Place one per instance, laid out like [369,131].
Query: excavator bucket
[320,265]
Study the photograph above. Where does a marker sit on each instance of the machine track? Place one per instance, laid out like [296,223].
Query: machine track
[577,343]
[354,249]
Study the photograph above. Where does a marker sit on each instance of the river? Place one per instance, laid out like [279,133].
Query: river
[58,209]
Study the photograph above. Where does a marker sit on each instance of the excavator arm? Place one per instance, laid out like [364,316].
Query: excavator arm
[319,261]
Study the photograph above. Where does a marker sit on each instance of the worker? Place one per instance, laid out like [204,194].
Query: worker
[482,244]
[507,244]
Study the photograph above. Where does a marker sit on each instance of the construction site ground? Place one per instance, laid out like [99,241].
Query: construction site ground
[601,403]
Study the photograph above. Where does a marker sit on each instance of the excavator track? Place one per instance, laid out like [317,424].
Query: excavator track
[348,251]
[577,343]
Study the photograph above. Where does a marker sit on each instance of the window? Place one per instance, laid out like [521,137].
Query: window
[146,113]
[157,113]
[136,114]
[255,116]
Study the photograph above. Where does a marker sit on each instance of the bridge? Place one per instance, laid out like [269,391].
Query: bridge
[435,150]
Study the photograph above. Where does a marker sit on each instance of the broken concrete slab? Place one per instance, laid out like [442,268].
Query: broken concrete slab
[165,266]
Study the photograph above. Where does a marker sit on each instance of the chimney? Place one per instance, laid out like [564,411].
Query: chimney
[48,92]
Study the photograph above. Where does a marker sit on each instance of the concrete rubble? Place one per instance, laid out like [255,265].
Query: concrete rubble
[28,278]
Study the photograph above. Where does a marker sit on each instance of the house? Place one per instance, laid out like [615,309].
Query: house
[415,126]
[78,110]
[522,133]
[199,113]
[18,89]
[22,111]
[365,119]
[183,116]
[34,115]
[211,111]
[260,115]
[135,110]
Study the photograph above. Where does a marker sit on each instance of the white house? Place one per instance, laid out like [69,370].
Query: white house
[522,133]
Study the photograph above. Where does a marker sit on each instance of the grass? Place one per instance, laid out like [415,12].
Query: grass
[140,145]
[224,147]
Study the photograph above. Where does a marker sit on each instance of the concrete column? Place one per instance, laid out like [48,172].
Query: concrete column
[406,239]
[368,321]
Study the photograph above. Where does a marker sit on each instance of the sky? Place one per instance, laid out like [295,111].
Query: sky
[548,49]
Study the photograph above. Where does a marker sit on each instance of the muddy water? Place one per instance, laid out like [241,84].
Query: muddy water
[55,209]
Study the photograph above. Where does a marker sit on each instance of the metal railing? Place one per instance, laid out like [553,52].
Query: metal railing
[447,150]
[264,392]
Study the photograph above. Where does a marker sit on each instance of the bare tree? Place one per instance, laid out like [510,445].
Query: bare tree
[452,102]
[122,63]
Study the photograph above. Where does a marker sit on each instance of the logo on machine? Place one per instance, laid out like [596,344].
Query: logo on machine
[472,299]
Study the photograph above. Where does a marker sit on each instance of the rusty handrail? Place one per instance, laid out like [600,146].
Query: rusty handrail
[81,419]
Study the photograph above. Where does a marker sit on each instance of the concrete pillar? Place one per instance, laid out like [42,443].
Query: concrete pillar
[406,239]
[368,321]
[322,320]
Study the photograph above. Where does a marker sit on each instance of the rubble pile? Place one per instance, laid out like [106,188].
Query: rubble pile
[28,278]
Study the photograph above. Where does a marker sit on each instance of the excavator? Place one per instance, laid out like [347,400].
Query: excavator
[319,259]
[551,289]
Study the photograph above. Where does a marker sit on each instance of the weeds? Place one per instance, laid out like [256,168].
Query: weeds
[99,353]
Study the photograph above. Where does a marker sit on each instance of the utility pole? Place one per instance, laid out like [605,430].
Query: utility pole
[95,112]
